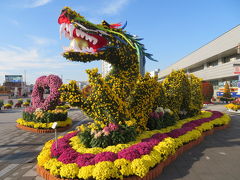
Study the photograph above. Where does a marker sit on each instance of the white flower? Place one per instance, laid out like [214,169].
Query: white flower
[168,110]
[38,110]
[93,131]
[98,134]
[159,109]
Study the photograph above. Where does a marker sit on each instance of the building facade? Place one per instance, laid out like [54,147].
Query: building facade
[106,68]
[214,62]
[15,84]
[154,73]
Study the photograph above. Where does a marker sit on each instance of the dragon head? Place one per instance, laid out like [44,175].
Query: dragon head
[89,42]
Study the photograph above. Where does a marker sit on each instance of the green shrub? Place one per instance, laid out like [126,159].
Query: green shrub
[7,106]
[186,96]
[26,104]
[227,99]
[10,102]
[176,88]
[46,118]
[28,100]
[20,101]
[207,91]
[161,118]
[227,93]
[161,99]
[196,100]
[1,103]
[122,135]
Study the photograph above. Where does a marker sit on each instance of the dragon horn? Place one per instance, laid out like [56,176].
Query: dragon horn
[124,25]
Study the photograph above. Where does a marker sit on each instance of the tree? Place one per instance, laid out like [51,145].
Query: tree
[226,92]
[207,91]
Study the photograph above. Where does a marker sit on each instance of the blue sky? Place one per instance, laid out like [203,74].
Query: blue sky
[29,33]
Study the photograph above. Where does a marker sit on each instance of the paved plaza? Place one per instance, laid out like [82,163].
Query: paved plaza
[216,158]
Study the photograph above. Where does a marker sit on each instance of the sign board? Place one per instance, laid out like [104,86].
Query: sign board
[14,78]
[236,68]
[54,125]
[233,94]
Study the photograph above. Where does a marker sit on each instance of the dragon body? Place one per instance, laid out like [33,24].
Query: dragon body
[124,94]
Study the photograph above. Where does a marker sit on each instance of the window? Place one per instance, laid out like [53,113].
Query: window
[212,63]
[229,58]
[215,84]
[234,83]
[225,60]
[196,69]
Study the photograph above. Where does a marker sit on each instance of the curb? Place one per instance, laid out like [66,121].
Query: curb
[25,128]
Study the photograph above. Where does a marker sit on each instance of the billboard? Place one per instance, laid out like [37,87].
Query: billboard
[13,78]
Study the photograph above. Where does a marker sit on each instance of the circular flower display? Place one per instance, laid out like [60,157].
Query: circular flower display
[52,82]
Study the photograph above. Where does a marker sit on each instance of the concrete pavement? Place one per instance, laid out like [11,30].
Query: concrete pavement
[216,158]
[19,149]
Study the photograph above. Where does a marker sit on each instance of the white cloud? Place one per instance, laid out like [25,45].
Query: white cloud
[16,58]
[37,3]
[41,40]
[114,7]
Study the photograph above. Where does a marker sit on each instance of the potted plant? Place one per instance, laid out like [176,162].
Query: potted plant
[207,92]
[7,106]
[19,103]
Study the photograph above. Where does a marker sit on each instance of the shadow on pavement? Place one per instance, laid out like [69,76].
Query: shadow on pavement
[214,153]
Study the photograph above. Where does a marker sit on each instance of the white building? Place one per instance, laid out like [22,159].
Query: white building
[214,61]
[154,73]
[106,68]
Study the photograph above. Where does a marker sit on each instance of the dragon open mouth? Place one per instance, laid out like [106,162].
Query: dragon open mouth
[81,41]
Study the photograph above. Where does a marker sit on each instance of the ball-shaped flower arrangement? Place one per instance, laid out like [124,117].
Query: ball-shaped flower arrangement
[43,113]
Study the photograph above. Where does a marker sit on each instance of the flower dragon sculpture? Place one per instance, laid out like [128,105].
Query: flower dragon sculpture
[120,105]
[123,96]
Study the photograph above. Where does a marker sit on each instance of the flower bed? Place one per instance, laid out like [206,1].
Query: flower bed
[39,127]
[7,106]
[152,150]
[40,121]
[43,113]
[233,107]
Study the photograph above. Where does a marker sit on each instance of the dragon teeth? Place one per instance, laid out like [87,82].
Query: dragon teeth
[61,29]
[68,30]
[85,36]
[67,27]
[71,29]
[95,41]
[90,39]
[78,33]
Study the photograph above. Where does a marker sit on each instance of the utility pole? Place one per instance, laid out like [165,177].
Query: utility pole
[25,77]
[24,83]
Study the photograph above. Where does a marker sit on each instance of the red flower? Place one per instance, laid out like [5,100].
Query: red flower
[63,19]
